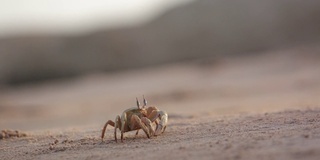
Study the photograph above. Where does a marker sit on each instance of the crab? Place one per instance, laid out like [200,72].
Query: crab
[142,117]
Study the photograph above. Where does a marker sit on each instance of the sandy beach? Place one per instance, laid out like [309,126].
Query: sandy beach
[237,108]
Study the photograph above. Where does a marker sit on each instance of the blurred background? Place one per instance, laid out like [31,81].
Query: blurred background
[73,63]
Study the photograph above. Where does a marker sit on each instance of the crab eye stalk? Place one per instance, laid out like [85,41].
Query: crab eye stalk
[144,102]
[138,103]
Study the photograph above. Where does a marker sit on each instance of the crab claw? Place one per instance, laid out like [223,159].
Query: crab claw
[162,124]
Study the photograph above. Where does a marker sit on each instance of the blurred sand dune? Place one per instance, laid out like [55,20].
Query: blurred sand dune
[206,28]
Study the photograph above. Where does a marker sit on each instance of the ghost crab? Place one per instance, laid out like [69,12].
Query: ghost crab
[138,118]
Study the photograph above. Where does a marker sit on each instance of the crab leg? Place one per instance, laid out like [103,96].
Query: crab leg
[109,122]
[117,125]
[123,124]
[137,121]
[148,124]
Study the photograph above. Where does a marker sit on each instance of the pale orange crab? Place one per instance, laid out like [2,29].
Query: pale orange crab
[138,118]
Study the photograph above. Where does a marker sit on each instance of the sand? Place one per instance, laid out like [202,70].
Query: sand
[260,107]
[283,135]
